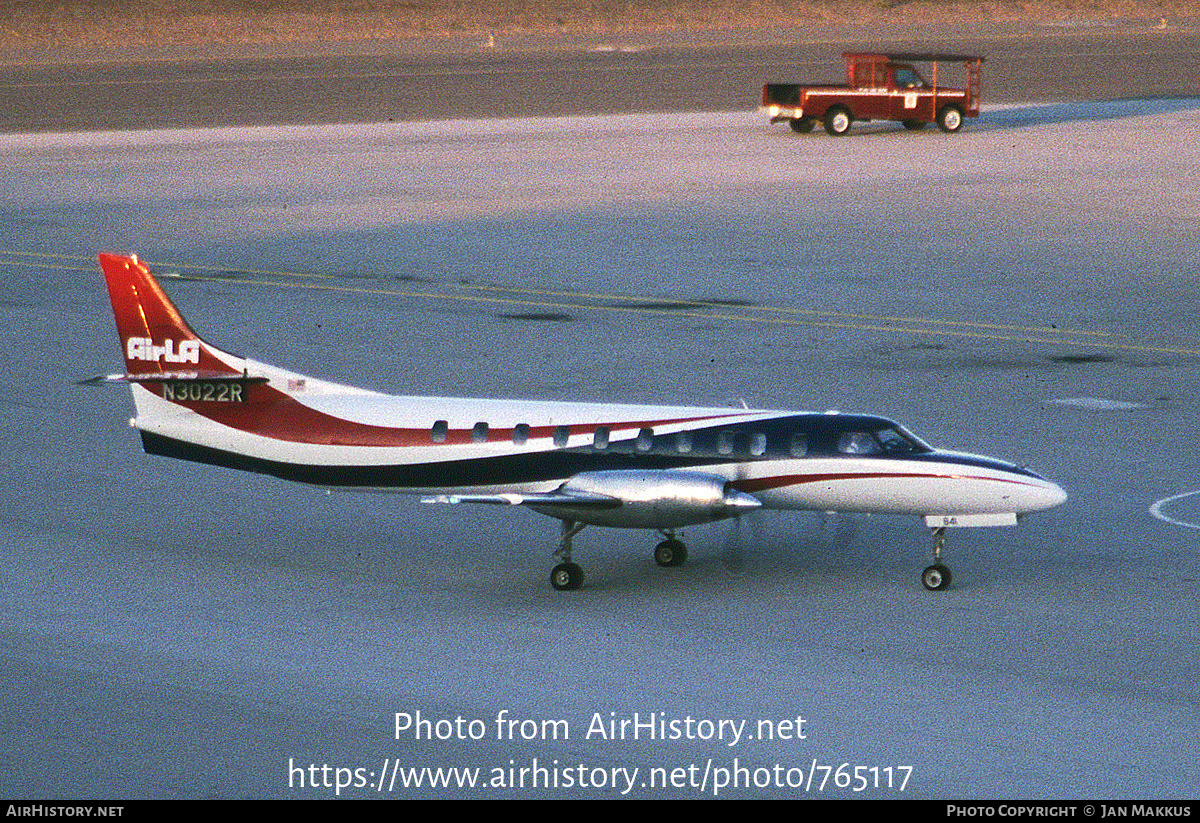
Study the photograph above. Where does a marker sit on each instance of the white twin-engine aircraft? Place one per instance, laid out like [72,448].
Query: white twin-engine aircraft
[644,467]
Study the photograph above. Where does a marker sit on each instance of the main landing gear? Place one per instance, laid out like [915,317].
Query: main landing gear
[670,552]
[568,576]
[936,578]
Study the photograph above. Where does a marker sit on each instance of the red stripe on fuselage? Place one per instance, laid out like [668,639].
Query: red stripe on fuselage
[268,412]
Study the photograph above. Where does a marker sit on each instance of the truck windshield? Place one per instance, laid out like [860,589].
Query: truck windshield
[907,78]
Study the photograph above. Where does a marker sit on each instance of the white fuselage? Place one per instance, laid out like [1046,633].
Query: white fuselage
[327,434]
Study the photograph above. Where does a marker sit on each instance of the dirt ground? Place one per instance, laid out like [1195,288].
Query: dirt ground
[36,24]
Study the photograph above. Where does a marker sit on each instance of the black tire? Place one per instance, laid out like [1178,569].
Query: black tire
[950,119]
[803,125]
[936,578]
[670,553]
[837,120]
[566,577]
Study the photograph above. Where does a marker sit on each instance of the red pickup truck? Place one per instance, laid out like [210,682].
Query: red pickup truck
[879,87]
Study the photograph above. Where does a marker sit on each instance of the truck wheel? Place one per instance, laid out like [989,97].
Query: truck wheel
[803,125]
[950,119]
[837,120]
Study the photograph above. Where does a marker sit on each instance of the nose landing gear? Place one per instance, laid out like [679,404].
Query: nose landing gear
[936,578]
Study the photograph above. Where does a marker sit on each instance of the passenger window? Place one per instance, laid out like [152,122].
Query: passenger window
[561,435]
[758,444]
[600,438]
[725,442]
[479,433]
[645,440]
[440,429]
[858,443]
[798,445]
[520,434]
[683,442]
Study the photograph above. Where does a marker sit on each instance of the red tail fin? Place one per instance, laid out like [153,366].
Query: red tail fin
[154,336]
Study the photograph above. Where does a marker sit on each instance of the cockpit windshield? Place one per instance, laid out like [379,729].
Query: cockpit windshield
[895,440]
[899,440]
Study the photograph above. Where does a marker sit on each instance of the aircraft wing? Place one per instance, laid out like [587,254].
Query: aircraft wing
[551,499]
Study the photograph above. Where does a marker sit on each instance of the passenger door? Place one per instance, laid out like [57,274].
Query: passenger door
[909,95]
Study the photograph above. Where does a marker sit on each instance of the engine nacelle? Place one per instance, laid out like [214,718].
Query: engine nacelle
[651,499]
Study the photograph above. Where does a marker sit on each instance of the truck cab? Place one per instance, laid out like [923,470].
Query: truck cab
[880,87]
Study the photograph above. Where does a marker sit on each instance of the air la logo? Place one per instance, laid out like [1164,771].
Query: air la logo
[144,348]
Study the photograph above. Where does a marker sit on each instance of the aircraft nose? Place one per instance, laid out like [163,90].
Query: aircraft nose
[1056,494]
[1047,495]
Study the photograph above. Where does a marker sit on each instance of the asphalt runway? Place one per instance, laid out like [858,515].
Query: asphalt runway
[1024,289]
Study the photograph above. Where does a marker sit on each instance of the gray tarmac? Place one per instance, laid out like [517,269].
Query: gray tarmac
[1024,289]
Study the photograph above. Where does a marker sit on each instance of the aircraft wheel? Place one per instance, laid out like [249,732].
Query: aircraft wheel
[566,577]
[837,120]
[670,553]
[803,125]
[950,119]
[936,578]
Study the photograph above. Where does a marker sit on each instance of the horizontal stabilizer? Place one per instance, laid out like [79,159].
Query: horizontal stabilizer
[171,377]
